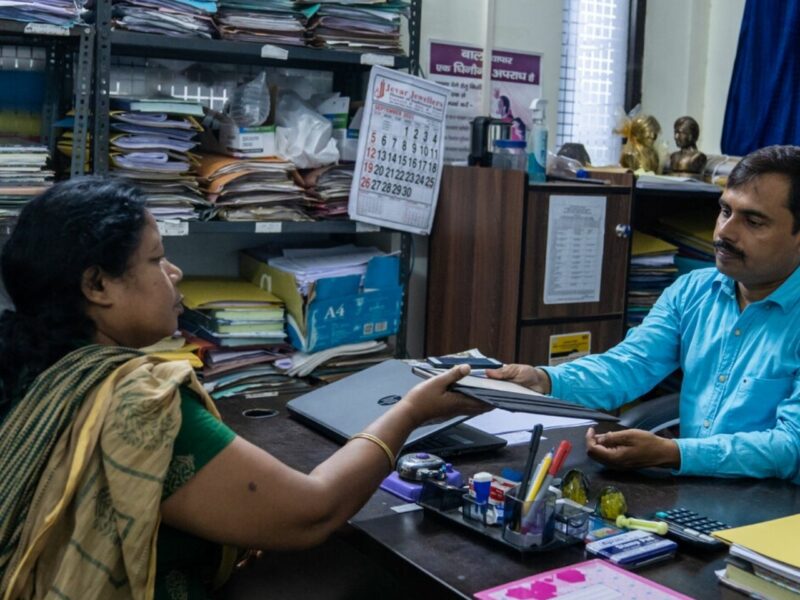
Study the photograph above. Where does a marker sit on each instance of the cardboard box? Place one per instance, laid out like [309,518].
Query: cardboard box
[338,310]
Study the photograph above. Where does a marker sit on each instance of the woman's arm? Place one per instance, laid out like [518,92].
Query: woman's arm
[246,497]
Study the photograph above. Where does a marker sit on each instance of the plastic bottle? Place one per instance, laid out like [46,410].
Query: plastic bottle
[537,143]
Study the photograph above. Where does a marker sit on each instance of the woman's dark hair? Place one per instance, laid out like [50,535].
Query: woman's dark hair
[781,160]
[82,223]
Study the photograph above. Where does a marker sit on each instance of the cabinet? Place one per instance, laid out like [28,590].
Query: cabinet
[488,256]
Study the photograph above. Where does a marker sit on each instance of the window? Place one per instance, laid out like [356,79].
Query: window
[593,68]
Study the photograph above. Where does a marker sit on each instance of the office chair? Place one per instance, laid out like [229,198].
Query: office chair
[654,415]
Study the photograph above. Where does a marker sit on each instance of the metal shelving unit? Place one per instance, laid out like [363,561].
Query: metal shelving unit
[64,47]
[349,70]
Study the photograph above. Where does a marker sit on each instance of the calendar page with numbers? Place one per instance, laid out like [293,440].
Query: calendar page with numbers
[400,152]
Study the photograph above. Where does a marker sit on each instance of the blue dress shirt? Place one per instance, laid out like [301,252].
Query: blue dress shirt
[740,398]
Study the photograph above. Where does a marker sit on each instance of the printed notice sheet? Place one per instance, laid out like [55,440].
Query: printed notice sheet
[400,152]
[574,262]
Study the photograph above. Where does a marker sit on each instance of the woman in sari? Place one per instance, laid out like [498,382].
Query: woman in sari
[119,480]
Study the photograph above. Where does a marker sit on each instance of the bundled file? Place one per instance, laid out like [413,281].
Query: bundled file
[264,21]
[177,18]
[328,191]
[63,13]
[345,26]
[23,174]
[152,145]
[252,189]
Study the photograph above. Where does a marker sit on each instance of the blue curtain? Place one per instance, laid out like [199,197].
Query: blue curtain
[764,97]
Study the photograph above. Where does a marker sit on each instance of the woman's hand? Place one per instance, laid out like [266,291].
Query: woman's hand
[531,377]
[431,398]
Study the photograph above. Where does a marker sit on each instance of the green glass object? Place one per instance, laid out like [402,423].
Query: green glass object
[611,503]
[575,486]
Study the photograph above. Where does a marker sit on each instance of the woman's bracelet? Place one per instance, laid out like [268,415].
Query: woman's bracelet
[379,442]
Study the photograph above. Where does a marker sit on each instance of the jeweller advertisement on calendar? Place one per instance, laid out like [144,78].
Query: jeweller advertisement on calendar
[400,151]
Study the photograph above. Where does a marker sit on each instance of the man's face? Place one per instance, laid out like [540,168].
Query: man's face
[753,238]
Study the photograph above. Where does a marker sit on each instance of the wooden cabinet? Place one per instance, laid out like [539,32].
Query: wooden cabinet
[488,257]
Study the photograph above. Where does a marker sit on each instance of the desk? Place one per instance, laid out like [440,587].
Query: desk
[435,559]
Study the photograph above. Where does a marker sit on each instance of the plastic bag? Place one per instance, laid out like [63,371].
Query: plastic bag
[249,104]
[302,135]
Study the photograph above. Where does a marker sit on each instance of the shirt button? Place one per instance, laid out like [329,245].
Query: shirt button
[737,332]
[706,423]
[722,378]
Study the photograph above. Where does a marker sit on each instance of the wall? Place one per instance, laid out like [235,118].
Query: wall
[689,50]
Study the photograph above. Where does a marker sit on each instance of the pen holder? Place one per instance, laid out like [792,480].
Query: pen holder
[529,523]
[571,518]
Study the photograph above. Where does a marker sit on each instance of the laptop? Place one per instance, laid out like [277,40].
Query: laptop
[345,407]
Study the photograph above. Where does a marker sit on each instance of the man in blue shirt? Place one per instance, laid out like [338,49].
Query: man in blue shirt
[734,330]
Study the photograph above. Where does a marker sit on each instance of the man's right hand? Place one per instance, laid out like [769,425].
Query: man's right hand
[531,377]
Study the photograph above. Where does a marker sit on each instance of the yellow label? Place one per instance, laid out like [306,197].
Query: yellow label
[569,346]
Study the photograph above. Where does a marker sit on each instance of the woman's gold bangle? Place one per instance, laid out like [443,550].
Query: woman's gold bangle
[378,441]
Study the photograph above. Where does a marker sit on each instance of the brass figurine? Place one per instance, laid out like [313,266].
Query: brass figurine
[688,159]
[640,133]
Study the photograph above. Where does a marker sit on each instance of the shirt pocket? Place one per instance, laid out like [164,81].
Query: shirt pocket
[756,400]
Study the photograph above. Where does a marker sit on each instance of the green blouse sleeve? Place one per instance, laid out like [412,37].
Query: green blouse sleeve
[200,438]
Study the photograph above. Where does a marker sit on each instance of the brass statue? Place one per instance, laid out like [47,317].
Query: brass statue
[688,159]
[640,133]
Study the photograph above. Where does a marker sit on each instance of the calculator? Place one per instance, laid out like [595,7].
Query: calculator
[690,528]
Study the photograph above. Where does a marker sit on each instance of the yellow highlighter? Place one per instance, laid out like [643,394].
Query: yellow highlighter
[658,527]
[541,473]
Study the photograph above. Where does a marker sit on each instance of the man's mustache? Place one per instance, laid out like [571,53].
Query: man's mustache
[728,247]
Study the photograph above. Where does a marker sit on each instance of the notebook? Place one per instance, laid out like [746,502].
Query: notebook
[345,407]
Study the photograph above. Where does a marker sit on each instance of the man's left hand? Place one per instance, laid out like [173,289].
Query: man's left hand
[632,449]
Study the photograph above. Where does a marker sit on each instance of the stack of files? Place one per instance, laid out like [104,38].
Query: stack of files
[301,364]
[152,145]
[374,28]
[328,190]
[672,183]
[264,381]
[218,361]
[231,312]
[264,21]
[652,270]
[311,264]
[23,174]
[252,189]
[176,18]
[64,13]
[764,559]
[691,231]
[341,366]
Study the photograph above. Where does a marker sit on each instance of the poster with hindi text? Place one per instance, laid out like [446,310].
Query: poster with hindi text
[515,81]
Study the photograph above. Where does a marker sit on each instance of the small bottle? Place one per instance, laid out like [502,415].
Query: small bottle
[509,154]
[537,143]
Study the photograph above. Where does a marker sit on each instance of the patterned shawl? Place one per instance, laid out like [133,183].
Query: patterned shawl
[83,459]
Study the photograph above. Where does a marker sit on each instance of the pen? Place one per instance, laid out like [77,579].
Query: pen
[527,475]
[563,450]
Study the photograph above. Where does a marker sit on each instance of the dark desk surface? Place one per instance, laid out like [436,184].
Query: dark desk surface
[438,559]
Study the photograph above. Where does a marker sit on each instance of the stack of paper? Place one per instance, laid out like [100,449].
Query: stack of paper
[265,21]
[311,264]
[652,270]
[231,312]
[152,146]
[23,174]
[764,559]
[374,28]
[252,189]
[264,381]
[328,190]
[64,13]
[177,18]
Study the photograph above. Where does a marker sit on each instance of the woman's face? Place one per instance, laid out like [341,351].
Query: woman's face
[145,301]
